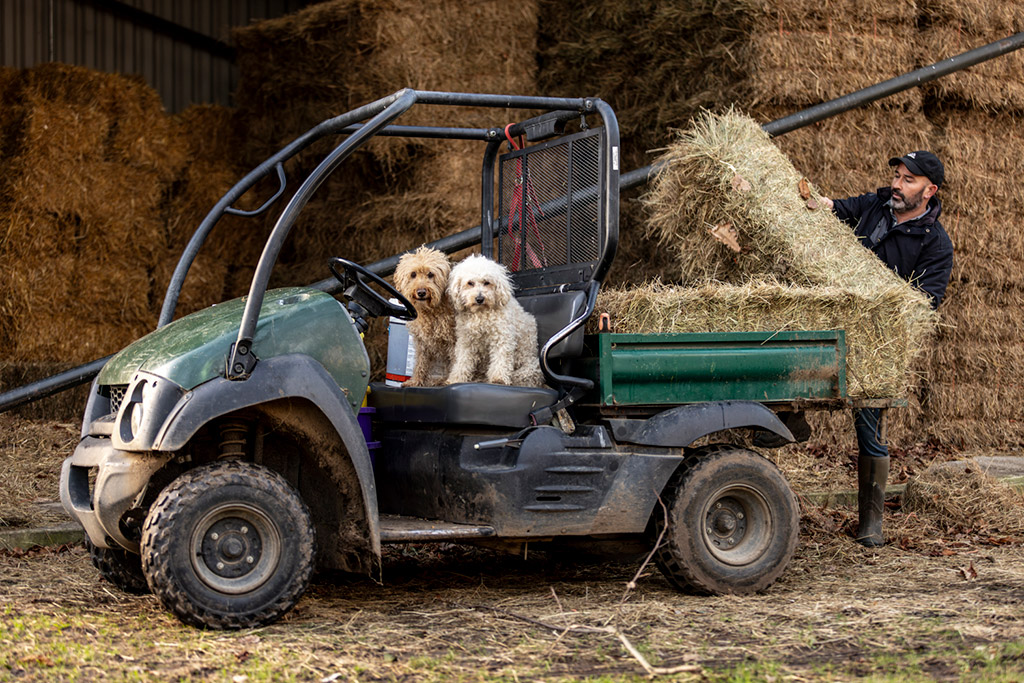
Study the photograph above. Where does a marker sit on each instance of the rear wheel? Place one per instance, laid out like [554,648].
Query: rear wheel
[228,545]
[732,523]
[119,567]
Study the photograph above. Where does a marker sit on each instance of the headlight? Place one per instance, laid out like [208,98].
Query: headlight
[147,403]
[136,421]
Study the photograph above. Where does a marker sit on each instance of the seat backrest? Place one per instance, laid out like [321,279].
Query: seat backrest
[554,311]
[550,227]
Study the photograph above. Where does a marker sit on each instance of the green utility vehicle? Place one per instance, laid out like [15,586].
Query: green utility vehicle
[223,457]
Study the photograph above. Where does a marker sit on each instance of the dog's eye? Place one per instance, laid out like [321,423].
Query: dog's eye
[487,283]
[470,283]
[430,276]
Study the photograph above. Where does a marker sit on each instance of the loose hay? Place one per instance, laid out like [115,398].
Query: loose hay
[965,500]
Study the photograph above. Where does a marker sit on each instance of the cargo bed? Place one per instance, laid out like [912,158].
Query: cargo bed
[804,369]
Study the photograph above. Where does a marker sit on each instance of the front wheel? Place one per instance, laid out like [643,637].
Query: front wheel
[732,524]
[119,567]
[228,545]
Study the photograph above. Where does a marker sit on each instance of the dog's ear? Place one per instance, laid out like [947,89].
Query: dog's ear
[444,268]
[402,271]
[454,287]
[502,287]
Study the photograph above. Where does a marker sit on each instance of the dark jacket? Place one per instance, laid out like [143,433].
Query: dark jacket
[919,250]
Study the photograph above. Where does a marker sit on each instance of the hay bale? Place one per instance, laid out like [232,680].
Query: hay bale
[791,268]
[801,68]
[725,170]
[993,85]
[297,70]
[975,17]
[882,335]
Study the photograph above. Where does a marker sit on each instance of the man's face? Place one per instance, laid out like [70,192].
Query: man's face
[910,191]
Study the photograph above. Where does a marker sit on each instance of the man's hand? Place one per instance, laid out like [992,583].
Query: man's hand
[825,202]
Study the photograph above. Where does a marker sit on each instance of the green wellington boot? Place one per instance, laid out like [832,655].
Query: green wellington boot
[872,474]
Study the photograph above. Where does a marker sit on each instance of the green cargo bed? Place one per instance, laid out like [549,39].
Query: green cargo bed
[670,369]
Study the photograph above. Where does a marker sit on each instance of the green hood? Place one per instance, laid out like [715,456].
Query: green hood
[194,349]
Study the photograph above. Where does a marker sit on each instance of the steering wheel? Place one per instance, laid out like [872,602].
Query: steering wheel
[351,276]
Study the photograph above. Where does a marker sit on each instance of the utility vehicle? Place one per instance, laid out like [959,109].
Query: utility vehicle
[222,457]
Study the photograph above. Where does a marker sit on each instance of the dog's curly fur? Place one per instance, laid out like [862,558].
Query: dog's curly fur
[422,278]
[495,339]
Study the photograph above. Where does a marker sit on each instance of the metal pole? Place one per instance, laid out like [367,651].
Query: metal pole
[894,85]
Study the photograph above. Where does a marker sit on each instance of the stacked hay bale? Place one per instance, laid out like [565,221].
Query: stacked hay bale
[89,157]
[298,70]
[753,256]
[101,191]
[976,391]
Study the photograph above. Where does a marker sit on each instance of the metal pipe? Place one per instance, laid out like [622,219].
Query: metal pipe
[51,385]
[894,85]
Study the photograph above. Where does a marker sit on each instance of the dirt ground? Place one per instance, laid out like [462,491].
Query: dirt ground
[942,601]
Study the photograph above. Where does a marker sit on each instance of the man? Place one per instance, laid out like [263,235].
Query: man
[900,224]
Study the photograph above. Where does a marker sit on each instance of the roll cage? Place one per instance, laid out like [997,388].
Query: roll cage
[556,223]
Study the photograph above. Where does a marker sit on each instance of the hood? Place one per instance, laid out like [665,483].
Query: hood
[194,349]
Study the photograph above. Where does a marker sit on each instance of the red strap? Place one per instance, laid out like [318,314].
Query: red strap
[522,196]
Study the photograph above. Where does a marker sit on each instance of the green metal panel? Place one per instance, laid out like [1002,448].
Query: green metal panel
[660,369]
[193,349]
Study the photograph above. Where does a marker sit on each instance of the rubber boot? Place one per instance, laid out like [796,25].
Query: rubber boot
[872,474]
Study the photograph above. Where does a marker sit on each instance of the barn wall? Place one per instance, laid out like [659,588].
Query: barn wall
[185,67]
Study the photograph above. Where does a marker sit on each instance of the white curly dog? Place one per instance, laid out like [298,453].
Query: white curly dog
[495,339]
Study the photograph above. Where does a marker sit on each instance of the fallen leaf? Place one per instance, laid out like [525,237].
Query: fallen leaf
[813,204]
[969,573]
[727,235]
[805,188]
[741,184]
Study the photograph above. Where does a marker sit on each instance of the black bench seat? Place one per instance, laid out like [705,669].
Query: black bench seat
[474,403]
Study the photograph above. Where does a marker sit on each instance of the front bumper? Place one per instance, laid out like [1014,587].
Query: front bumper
[99,484]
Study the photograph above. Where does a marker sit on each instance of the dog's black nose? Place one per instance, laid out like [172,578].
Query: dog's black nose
[421,294]
[479,298]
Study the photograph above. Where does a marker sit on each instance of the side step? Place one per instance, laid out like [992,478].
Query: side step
[400,529]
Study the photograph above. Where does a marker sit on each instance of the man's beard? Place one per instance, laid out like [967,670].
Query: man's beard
[902,203]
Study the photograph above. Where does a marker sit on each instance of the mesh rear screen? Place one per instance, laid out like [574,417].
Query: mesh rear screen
[550,204]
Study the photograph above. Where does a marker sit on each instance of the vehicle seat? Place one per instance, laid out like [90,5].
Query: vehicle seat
[489,404]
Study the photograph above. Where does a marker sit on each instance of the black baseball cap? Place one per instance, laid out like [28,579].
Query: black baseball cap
[922,163]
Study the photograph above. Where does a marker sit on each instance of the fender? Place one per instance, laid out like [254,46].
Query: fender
[281,377]
[681,426]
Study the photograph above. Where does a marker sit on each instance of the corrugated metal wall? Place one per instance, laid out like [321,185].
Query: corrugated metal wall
[178,46]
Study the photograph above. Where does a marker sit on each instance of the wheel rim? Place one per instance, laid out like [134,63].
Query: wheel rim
[235,548]
[737,525]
